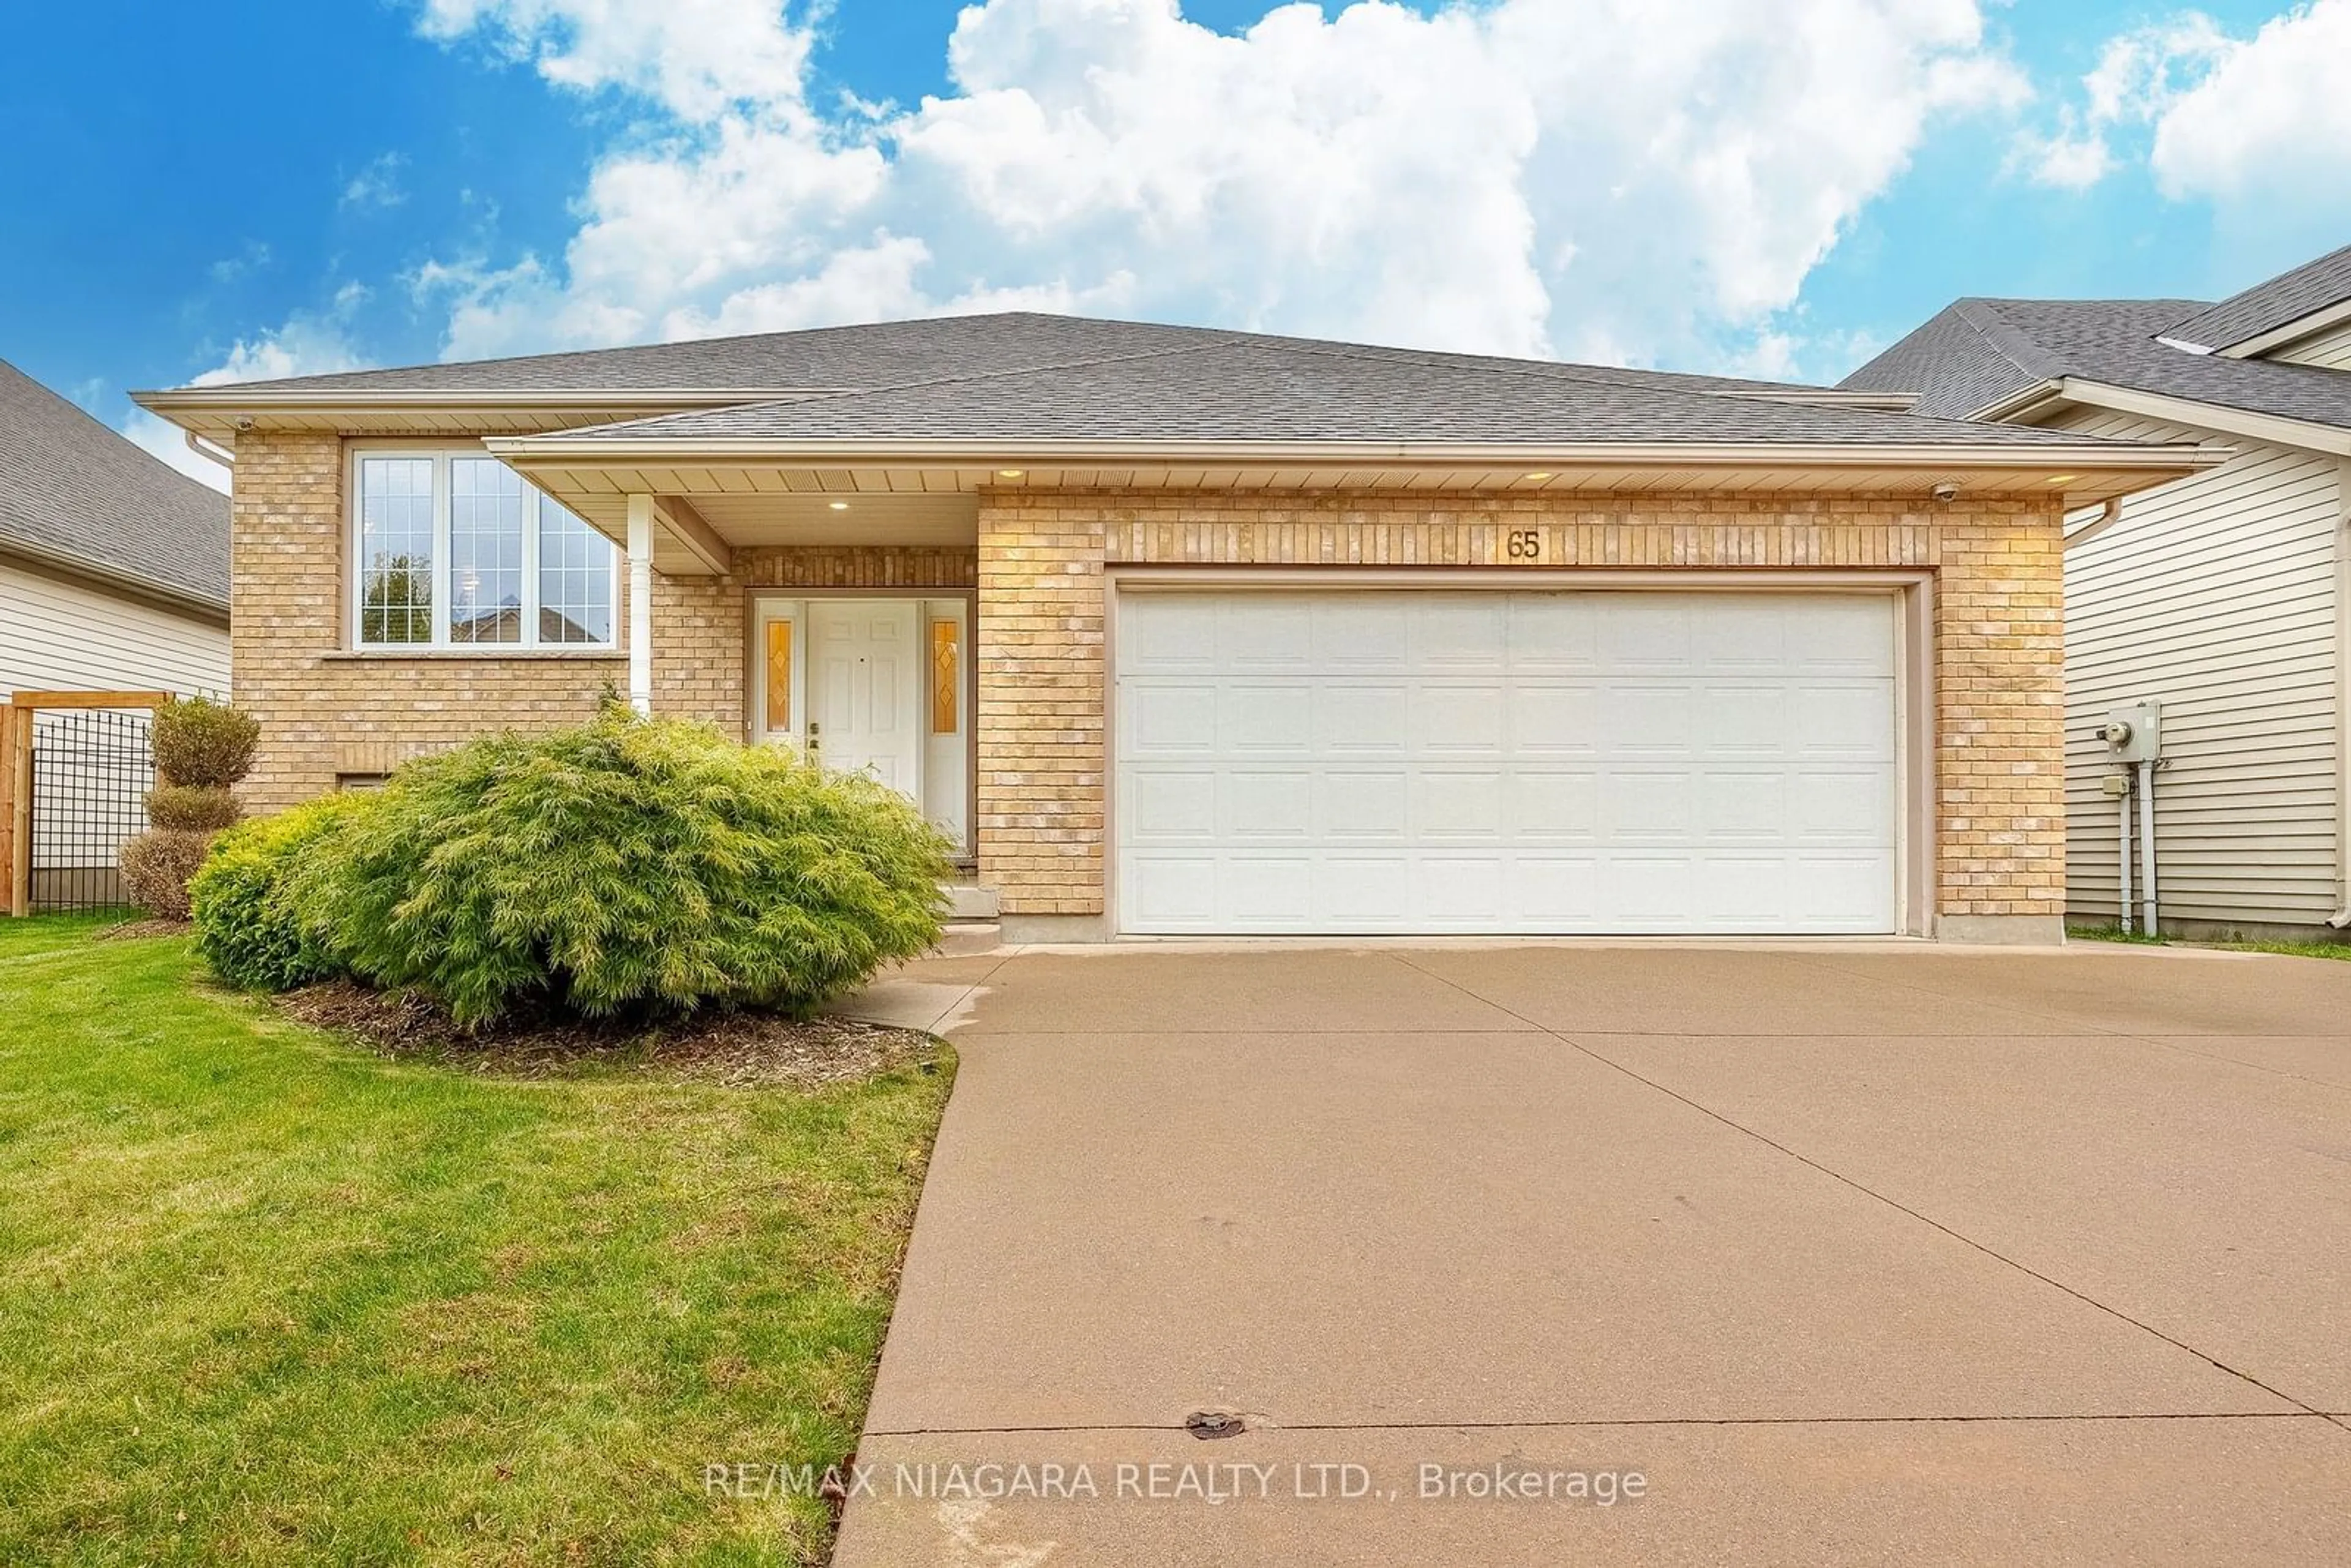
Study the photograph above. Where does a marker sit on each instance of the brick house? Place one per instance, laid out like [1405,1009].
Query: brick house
[1179,631]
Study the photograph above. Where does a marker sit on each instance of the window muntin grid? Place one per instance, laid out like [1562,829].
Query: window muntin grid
[457,550]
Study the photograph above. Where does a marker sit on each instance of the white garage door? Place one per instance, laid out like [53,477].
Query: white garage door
[1504,762]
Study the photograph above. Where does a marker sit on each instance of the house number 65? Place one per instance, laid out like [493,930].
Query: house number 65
[1525,544]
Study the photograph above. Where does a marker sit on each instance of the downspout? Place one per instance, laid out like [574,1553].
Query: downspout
[2108,515]
[202,448]
[2341,919]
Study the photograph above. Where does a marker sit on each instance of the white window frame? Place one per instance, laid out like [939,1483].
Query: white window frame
[355,589]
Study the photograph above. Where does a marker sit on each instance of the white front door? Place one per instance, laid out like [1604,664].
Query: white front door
[1507,762]
[864,687]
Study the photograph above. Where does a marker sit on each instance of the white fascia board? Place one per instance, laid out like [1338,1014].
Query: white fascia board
[2280,432]
[2292,333]
[964,453]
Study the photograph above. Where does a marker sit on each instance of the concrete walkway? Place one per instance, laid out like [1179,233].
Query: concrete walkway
[1851,1253]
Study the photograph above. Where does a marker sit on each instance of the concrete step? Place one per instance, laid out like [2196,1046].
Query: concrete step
[969,901]
[964,937]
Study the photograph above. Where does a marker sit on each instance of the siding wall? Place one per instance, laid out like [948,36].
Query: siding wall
[2330,350]
[61,635]
[2216,596]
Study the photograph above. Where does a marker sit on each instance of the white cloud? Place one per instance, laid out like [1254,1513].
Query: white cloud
[378,184]
[308,343]
[1604,178]
[168,442]
[2271,116]
[2214,116]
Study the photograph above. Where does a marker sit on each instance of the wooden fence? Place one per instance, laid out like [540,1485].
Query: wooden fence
[16,775]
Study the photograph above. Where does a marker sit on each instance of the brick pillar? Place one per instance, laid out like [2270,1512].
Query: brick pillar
[1041,687]
[2000,681]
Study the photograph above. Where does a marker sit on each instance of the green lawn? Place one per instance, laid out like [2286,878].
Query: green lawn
[2336,950]
[267,1298]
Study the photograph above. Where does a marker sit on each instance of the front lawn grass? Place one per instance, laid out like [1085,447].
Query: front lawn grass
[2336,950]
[266,1298]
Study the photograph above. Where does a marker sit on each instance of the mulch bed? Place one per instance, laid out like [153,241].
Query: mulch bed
[130,929]
[735,1048]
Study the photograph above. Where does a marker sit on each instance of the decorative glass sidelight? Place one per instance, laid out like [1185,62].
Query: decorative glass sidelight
[779,677]
[946,668]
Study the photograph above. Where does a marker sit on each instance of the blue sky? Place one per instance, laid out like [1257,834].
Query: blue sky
[266,185]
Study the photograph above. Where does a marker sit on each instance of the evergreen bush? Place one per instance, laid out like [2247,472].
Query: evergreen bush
[626,865]
[251,900]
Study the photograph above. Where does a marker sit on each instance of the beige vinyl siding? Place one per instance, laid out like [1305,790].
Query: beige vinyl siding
[2330,350]
[59,634]
[2216,596]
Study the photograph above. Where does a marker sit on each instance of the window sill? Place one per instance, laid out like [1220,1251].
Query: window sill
[475,655]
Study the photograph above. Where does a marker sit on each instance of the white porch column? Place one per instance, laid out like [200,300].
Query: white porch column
[640,604]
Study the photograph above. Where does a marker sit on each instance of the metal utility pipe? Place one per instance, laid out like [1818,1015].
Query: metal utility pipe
[2147,848]
[2123,815]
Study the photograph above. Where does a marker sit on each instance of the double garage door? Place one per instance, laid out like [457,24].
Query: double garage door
[1560,762]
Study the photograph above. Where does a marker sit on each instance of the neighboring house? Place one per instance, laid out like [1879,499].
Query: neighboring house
[113,577]
[113,565]
[2221,595]
[1182,631]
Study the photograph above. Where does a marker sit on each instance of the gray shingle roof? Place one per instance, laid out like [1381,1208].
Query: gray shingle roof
[1257,388]
[885,354]
[2266,307]
[73,491]
[1980,351]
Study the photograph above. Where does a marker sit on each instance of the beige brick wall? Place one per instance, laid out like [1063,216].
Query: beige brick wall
[325,711]
[1998,665]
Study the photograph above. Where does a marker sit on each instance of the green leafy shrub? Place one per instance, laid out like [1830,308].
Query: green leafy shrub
[252,902]
[203,743]
[195,808]
[156,866]
[201,749]
[625,865]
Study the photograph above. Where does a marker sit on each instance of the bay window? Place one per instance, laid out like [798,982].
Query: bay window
[457,550]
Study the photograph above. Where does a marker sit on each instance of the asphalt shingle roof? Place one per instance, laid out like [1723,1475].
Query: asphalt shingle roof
[2266,307]
[74,491]
[1977,352]
[884,354]
[1258,389]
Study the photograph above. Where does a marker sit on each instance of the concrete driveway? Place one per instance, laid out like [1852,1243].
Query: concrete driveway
[1850,1253]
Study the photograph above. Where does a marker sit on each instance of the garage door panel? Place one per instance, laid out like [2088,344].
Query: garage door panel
[1358,718]
[1364,892]
[1645,634]
[1352,634]
[1260,718]
[1648,718]
[1554,634]
[1453,805]
[1168,805]
[1553,805]
[1457,633]
[1555,892]
[1850,806]
[1567,761]
[1640,806]
[1254,634]
[1848,718]
[1749,718]
[1454,718]
[1163,719]
[1556,719]
[1254,805]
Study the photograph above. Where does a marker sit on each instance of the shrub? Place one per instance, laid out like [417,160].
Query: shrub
[202,748]
[252,902]
[203,743]
[625,865]
[196,808]
[156,866]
